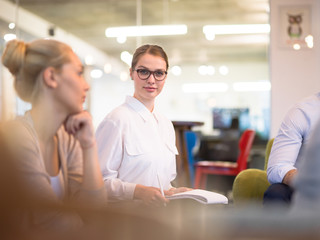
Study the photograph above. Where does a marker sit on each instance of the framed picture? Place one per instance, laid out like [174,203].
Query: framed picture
[295,27]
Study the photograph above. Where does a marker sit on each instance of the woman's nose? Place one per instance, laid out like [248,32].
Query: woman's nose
[151,79]
[86,85]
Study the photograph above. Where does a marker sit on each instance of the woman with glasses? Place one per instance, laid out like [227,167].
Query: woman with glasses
[136,144]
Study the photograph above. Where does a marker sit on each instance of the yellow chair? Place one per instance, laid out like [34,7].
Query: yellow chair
[250,184]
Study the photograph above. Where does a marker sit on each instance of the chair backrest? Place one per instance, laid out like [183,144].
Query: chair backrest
[192,141]
[268,150]
[245,144]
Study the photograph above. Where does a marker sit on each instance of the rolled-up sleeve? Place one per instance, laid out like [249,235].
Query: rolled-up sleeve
[287,145]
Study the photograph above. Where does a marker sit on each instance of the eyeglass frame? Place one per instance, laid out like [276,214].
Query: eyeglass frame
[150,72]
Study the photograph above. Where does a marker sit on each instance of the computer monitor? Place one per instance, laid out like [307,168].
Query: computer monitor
[225,119]
[231,118]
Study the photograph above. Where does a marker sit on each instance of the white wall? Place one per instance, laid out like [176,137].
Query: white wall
[294,74]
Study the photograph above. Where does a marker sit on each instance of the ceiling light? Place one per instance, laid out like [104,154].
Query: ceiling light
[148,30]
[202,70]
[223,70]
[309,41]
[176,70]
[89,60]
[296,46]
[252,86]
[96,73]
[9,36]
[12,25]
[211,30]
[204,87]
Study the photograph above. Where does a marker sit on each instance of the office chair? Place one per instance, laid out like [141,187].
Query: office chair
[204,168]
[250,184]
[193,142]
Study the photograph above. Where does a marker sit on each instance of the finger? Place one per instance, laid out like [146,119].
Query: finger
[68,125]
[74,122]
[168,192]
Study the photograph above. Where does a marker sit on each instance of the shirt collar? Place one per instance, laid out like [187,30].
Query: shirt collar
[141,109]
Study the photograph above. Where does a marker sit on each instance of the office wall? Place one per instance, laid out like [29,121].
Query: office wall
[294,74]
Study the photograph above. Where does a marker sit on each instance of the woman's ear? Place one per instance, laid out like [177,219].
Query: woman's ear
[131,73]
[49,77]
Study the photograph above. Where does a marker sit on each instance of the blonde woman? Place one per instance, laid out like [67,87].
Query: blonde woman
[54,142]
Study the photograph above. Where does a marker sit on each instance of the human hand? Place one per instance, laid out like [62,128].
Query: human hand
[150,196]
[289,176]
[172,191]
[80,126]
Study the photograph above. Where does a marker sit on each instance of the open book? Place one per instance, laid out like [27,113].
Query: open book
[202,196]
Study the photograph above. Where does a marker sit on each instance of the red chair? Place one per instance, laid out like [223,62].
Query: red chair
[203,168]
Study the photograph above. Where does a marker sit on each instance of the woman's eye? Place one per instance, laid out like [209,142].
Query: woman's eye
[144,72]
[159,73]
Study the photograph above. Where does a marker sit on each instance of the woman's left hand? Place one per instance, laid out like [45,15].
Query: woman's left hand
[80,125]
[172,191]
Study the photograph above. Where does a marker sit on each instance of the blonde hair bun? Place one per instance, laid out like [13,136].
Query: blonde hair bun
[13,56]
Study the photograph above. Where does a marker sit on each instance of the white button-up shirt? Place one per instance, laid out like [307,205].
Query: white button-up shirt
[293,136]
[134,146]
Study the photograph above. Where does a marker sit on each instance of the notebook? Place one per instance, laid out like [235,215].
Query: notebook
[202,196]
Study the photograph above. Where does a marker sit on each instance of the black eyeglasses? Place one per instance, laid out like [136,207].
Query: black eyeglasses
[144,74]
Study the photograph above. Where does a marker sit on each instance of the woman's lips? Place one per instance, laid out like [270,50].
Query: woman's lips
[150,89]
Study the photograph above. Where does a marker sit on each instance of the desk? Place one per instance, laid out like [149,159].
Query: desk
[183,171]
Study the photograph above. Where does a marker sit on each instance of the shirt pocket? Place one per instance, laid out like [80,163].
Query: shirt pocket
[136,147]
[138,156]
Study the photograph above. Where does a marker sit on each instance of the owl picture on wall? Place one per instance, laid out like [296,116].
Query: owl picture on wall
[294,28]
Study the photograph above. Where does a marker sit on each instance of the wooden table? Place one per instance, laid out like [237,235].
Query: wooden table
[183,171]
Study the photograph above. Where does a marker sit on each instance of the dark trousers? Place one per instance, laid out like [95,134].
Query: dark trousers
[278,193]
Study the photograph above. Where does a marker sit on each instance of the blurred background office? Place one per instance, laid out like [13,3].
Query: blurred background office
[219,73]
[210,73]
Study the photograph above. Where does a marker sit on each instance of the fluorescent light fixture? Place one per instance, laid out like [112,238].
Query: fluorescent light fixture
[211,30]
[9,36]
[205,87]
[147,30]
[252,86]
